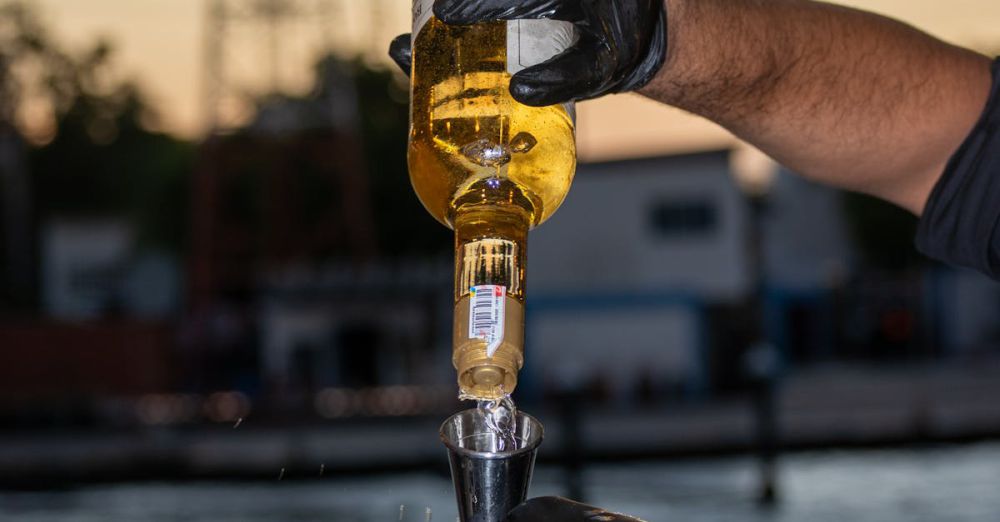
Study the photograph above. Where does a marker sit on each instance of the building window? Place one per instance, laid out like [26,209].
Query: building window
[683,218]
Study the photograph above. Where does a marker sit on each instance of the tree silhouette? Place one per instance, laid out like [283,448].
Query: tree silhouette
[93,149]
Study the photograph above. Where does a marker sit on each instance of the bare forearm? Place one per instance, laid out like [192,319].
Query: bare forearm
[842,96]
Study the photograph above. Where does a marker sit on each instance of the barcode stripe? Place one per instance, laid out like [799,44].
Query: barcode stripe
[486,315]
[482,310]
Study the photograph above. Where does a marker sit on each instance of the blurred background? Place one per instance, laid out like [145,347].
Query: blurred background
[220,300]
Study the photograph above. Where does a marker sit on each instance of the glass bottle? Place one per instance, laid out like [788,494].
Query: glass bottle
[491,169]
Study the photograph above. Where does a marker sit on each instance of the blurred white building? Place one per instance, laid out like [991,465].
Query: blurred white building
[622,276]
[92,268]
[619,277]
[623,282]
[82,266]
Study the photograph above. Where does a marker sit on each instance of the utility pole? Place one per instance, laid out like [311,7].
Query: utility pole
[248,46]
[212,76]
[16,200]
[237,27]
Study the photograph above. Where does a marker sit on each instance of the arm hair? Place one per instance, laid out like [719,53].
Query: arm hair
[842,96]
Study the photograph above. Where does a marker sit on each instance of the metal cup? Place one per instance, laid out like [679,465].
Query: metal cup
[490,478]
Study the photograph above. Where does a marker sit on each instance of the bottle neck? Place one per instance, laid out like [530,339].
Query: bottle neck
[490,249]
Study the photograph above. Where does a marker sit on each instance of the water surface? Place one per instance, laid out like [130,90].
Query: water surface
[934,485]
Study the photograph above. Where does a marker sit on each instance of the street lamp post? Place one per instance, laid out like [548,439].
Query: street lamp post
[754,172]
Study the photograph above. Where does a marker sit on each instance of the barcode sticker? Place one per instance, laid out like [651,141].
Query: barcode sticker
[486,315]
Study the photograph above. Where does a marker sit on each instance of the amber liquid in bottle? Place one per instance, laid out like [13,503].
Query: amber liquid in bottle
[491,168]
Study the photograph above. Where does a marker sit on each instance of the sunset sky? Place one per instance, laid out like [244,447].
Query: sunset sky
[160,43]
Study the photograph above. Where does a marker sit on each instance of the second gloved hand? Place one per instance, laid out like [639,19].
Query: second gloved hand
[622,45]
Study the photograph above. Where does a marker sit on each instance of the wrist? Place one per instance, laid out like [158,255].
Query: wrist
[667,84]
[655,55]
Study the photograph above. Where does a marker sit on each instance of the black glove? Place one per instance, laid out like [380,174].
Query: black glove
[555,509]
[622,45]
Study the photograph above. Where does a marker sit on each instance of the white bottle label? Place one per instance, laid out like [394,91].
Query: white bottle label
[529,42]
[486,315]
[421,15]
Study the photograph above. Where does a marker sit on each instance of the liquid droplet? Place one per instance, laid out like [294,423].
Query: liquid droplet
[238,422]
[281,474]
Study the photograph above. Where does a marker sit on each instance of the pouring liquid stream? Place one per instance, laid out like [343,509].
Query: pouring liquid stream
[500,415]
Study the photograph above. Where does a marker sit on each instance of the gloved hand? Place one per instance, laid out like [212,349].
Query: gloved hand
[555,509]
[622,45]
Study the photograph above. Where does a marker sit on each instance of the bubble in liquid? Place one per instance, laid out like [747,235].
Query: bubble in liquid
[523,142]
[486,153]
